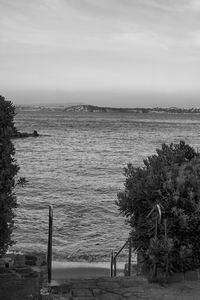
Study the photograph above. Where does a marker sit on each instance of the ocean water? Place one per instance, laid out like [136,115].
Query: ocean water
[77,166]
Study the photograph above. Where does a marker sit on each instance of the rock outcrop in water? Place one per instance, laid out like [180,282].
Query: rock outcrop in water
[18,135]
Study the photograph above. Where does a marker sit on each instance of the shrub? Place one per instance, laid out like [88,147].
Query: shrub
[8,170]
[171,180]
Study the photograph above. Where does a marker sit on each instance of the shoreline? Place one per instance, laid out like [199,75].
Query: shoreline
[62,270]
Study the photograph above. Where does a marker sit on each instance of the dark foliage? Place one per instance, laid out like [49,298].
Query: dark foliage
[171,179]
[8,170]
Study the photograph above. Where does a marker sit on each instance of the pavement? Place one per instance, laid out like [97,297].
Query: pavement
[120,288]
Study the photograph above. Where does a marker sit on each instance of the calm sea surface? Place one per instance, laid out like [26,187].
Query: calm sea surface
[77,166]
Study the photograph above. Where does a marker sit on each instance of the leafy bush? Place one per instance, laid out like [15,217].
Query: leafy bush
[171,180]
[8,170]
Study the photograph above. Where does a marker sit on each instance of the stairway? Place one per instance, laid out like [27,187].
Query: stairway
[121,288]
[98,288]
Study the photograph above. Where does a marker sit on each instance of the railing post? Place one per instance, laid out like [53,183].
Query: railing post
[111,265]
[49,254]
[129,256]
[115,265]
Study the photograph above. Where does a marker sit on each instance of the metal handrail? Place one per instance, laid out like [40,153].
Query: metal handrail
[114,255]
[113,265]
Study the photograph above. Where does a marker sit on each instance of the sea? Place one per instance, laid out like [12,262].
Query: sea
[77,166]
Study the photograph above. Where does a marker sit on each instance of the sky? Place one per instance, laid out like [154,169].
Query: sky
[102,52]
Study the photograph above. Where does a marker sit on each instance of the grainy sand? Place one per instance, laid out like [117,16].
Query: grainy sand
[67,270]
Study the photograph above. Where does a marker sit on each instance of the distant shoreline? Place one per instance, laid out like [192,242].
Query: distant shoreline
[101,109]
[62,270]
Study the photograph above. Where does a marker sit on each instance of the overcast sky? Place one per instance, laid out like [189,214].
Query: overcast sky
[113,52]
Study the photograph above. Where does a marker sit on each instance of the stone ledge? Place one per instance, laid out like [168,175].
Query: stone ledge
[22,274]
[193,275]
[22,260]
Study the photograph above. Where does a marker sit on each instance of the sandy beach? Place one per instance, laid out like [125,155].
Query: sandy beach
[67,270]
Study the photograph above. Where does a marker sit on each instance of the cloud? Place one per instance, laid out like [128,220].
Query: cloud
[195,5]
[195,38]
[99,43]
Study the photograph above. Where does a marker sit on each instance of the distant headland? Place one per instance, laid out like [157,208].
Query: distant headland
[92,108]
[87,108]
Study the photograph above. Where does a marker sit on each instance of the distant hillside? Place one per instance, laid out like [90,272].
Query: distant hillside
[92,108]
